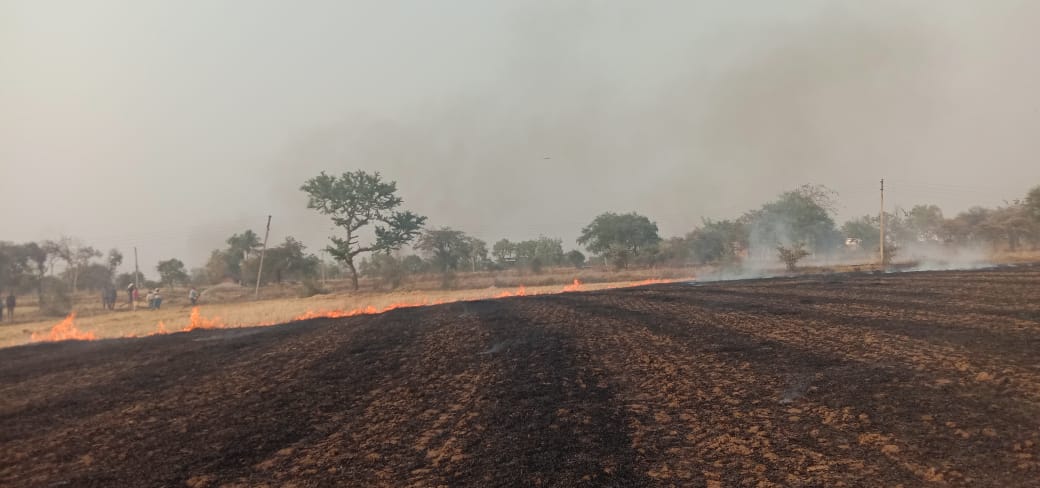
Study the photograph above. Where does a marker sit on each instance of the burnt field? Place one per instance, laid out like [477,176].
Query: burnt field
[841,380]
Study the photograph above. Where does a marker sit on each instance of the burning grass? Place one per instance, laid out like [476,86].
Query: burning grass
[268,312]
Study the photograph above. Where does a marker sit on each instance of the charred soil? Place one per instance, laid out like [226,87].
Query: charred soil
[836,380]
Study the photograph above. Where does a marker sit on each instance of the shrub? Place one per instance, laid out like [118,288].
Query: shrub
[790,256]
[311,288]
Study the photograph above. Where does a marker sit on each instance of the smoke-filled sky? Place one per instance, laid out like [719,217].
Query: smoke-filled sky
[171,125]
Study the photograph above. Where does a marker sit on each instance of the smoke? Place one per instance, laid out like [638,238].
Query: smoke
[500,118]
[924,256]
[576,122]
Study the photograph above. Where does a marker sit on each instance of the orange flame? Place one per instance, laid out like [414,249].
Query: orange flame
[520,292]
[576,286]
[65,330]
[197,321]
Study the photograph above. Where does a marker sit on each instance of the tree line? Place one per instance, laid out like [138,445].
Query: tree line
[795,224]
[373,231]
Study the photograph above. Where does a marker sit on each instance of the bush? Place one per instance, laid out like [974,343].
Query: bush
[311,288]
[790,256]
[576,258]
[536,265]
[388,271]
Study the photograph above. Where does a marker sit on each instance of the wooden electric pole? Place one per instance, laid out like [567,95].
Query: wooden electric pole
[323,267]
[137,271]
[263,250]
[882,223]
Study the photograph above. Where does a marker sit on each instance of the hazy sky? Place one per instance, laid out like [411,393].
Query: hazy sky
[170,125]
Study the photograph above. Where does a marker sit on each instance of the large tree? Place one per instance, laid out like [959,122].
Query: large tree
[445,248]
[1032,204]
[287,261]
[717,241]
[355,200]
[171,272]
[14,266]
[478,253]
[620,237]
[925,222]
[115,258]
[538,253]
[37,257]
[504,252]
[74,253]
[865,230]
[240,248]
[799,216]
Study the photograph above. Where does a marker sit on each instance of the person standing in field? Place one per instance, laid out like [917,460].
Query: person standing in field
[193,296]
[134,298]
[108,297]
[151,299]
[10,305]
[157,299]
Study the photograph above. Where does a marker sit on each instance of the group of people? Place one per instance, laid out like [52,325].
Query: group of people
[153,297]
[11,301]
[108,300]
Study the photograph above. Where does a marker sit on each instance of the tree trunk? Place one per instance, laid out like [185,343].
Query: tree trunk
[39,289]
[353,273]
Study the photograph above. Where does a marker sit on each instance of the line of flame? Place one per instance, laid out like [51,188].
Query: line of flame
[66,329]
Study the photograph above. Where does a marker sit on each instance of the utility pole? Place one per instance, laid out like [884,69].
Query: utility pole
[263,250]
[137,286]
[137,271]
[882,223]
[323,266]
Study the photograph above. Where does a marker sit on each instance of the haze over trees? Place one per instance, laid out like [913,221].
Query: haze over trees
[798,217]
[791,227]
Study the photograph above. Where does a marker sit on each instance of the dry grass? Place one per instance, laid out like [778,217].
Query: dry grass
[175,314]
[233,305]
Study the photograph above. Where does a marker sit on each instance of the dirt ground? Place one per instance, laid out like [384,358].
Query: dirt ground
[911,379]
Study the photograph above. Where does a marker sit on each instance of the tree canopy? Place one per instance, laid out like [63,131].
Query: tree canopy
[171,272]
[446,248]
[620,237]
[355,200]
[799,216]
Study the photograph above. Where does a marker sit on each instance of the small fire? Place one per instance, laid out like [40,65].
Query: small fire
[576,286]
[197,321]
[65,330]
[520,292]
